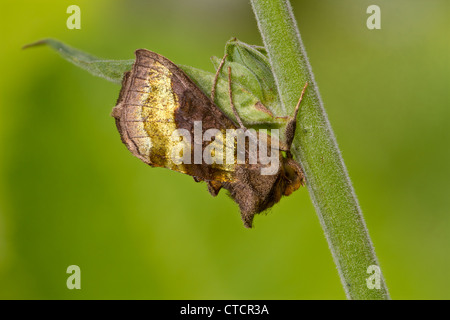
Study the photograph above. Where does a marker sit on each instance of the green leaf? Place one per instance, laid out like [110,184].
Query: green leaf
[254,73]
[111,70]
[247,104]
[255,59]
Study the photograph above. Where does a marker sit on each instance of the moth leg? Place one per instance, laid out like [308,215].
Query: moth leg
[231,101]
[292,124]
[283,146]
[214,187]
[216,77]
[196,179]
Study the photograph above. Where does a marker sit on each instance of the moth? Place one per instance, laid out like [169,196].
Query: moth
[157,99]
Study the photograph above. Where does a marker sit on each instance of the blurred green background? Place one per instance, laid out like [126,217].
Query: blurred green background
[70,192]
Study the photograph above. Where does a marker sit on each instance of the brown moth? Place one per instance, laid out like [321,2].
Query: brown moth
[157,99]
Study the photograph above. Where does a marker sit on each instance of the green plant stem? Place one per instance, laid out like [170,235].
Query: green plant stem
[316,149]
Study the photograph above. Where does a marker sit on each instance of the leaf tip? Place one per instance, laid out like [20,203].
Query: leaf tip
[35,44]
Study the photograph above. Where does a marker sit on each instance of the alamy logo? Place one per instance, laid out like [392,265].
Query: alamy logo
[374,281]
[374,20]
[74,20]
[230,146]
[74,280]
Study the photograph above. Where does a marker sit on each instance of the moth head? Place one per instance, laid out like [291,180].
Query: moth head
[293,175]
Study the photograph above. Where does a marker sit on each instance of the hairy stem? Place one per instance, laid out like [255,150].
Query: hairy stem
[315,147]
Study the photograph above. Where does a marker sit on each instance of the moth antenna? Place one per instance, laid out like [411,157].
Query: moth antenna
[216,77]
[297,107]
[292,124]
[231,101]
